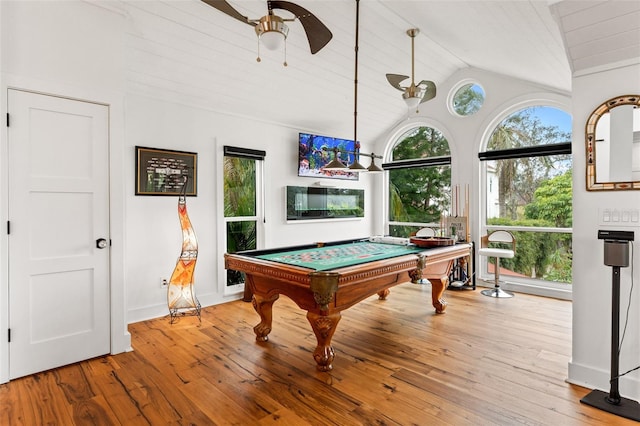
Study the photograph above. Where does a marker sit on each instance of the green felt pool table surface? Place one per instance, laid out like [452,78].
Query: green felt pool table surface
[339,255]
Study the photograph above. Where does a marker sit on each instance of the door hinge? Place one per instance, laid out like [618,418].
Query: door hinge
[9,335]
[7,119]
[8,227]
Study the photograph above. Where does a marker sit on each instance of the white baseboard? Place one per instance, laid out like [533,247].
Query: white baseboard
[594,378]
[529,289]
[160,310]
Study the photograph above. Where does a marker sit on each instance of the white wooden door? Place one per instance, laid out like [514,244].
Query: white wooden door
[58,210]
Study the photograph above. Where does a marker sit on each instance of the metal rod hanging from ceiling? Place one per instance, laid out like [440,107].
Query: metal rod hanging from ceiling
[335,164]
[355,81]
[412,34]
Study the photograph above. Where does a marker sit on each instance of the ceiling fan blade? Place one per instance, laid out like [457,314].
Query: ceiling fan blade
[226,8]
[317,33]
[396,79]
[429,90]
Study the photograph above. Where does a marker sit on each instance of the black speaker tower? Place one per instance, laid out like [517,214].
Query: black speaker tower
[616,255]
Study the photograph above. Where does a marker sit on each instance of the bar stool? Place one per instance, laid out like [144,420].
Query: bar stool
[503,237]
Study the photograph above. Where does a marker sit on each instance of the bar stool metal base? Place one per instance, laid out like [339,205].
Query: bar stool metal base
[497,292]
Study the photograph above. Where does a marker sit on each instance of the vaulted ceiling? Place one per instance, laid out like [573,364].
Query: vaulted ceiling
[186,51]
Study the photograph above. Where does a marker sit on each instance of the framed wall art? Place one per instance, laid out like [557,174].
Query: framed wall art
[163,171]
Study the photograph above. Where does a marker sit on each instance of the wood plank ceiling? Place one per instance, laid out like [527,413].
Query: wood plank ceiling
[185,51]
[598,34]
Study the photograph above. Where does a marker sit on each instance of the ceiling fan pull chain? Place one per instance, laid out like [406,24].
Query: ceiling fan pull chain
[285,53]
[258,58]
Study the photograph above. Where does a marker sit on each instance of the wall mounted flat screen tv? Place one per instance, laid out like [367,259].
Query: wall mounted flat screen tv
[315,152]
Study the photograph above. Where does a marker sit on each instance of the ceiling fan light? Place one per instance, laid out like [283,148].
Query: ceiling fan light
[413,96]
[272,31]
[412,102]
[272,40]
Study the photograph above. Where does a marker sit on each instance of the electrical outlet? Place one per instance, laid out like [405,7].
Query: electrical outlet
[163,282]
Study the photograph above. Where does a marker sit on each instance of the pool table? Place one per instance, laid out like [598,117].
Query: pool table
[327,278]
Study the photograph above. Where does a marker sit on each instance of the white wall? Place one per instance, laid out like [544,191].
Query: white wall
[590,363]
[153,238]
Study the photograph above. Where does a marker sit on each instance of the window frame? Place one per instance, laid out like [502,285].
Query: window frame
[525,285]
[453,92]
[393,141]
[259,158]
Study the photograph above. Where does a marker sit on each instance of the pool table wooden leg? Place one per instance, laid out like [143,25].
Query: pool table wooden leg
[382,295]
[324,326]
[264,308]
[437,290]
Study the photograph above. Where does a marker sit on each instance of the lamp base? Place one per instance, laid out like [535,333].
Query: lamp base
[627,408]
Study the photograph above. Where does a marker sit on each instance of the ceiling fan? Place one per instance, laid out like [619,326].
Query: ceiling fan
[271,28]
[415,94]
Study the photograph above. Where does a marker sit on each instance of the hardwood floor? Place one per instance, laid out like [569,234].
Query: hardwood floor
[484,362]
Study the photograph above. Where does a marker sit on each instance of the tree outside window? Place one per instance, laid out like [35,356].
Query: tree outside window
[533,195]
[418,192]
[240,209]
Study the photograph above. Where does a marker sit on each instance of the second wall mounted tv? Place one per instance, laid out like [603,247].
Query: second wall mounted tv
[315,151]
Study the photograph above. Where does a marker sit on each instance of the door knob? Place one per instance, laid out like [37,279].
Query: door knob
[101,243]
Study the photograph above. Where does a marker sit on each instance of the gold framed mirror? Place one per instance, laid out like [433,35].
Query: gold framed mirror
[613,145]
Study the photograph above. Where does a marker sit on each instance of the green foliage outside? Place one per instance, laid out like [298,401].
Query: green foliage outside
[532,192]
[535,191]
[239,187]
[420,194]
[518,178]
[553,201]
[542,255]
[468,99]
[239,201]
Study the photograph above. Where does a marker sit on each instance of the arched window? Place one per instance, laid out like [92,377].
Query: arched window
[527,171]
[419,181]
[466,99]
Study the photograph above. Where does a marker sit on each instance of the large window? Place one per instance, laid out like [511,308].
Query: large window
[528,190]
[419,181]
[241,203]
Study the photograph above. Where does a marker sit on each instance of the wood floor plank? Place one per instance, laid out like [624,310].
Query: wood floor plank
[283,417]
[49,405]
[94,411]
[484,362]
